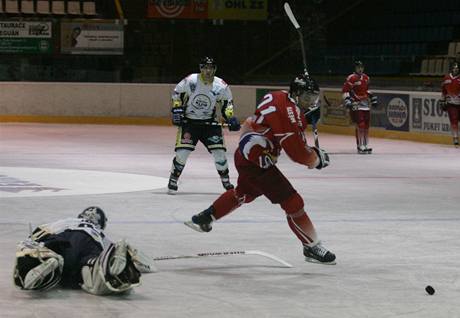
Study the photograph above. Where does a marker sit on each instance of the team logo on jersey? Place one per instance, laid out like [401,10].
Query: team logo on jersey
[192,87]
[201,101]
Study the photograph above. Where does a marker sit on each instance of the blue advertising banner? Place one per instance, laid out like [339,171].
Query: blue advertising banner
[392,112]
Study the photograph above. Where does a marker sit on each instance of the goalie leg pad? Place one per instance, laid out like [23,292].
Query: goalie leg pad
[98,278]
[37,267]
[143,263]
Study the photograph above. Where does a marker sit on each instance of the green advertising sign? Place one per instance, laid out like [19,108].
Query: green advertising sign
[26,37]
[24,45]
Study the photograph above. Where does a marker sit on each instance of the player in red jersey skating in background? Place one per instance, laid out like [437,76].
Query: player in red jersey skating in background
[356,97]
[450,99]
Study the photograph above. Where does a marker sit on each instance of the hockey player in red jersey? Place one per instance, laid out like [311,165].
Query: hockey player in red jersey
[450,99]
[278,124]
[356,96]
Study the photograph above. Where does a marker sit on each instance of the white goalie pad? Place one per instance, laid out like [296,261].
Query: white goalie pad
[37,267]
[144,263]
[103,276]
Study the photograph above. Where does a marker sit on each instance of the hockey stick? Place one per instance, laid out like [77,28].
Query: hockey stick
[287,9]
[227,253]
[205,123]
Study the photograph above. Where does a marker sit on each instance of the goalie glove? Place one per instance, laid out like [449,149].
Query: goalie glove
[233,124]
[177,115]
[443,105]
[323,158]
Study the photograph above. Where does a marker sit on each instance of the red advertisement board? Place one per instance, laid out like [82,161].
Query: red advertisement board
[178,9]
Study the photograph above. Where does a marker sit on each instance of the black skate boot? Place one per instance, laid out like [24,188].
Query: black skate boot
[176,171]
[202,222]
[368,150]
[318,254]
[224,177]
[362,150]
[172,184]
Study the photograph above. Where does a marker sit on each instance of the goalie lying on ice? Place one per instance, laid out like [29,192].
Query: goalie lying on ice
[75,253]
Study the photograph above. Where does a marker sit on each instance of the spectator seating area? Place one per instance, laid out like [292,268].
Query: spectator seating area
[48,7]
[402,37]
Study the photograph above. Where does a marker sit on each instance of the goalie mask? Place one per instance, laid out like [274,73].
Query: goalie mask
[304,90]
[94,215]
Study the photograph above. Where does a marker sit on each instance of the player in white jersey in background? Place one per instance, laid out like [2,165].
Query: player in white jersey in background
[75,253]
[195,100]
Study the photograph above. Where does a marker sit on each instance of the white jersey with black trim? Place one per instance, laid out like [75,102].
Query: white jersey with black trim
[201,97]
[73,224]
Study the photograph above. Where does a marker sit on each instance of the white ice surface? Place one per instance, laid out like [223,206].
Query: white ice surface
[392,218]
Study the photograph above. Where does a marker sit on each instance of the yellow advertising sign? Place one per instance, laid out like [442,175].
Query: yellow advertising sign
[238,9]
[333,112]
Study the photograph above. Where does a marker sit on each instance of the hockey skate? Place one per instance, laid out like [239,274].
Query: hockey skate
[368,150]
[362,150]
[456,144]
[172,184]
[40,272]
[201,222]
[226,182]
[318,254]
[117,262]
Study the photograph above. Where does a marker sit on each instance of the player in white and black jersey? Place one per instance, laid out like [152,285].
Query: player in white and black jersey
[195,102]
[75,253]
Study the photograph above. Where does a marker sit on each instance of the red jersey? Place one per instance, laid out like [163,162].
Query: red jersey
[451,89]
[356,86]
[282,123]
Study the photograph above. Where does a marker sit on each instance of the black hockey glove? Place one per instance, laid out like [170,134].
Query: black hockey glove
[443,105]
[323,158]
[348,103]
[177,115]
[313,114]
[233,124]
[374,101]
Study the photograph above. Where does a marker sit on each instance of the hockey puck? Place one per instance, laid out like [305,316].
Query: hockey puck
[429,290]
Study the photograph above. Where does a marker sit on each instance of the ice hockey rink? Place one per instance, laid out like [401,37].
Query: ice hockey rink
[392,218]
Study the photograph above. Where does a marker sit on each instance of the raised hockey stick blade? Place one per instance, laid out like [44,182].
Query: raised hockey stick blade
[287,9]
[226,253]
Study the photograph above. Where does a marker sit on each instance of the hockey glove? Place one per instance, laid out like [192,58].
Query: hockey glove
[233,124]
[323,158]
[177,115]
[443,105]
[313,114]
[374,101]
[348,103]
[228,112]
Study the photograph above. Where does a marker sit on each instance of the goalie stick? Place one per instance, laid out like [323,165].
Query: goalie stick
[287,9]
[226,253]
